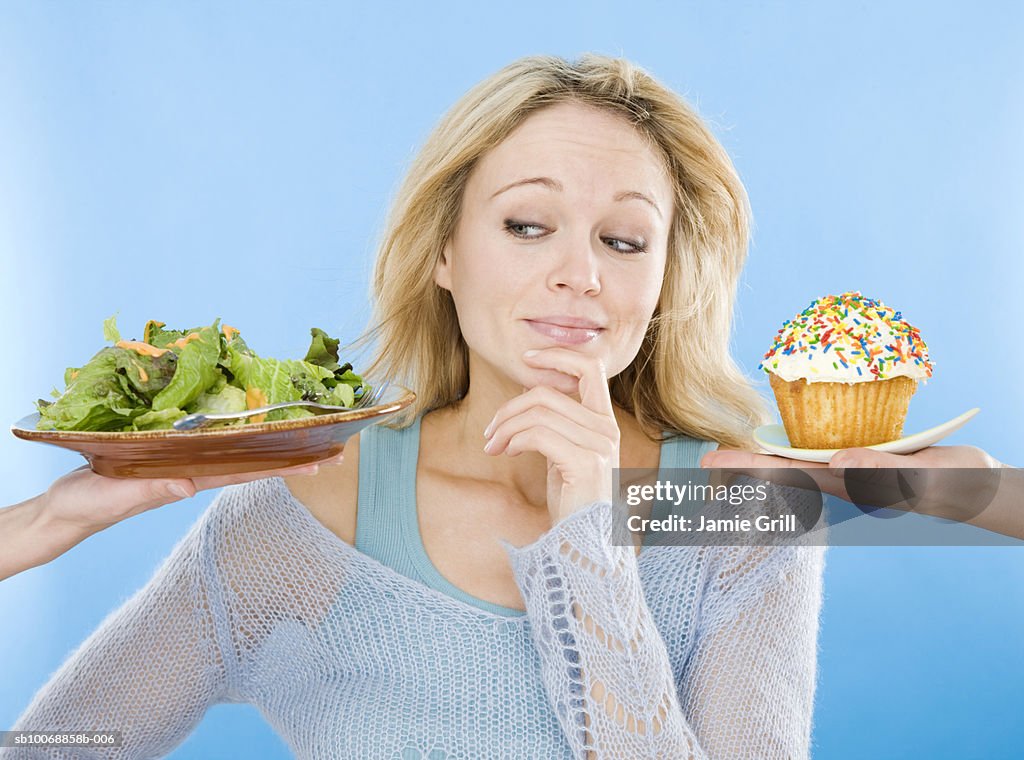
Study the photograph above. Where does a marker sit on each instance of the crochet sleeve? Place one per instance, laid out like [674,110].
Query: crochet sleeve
[150,670]
[747,689]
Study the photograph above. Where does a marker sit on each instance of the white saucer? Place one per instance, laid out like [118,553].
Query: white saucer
[772,438]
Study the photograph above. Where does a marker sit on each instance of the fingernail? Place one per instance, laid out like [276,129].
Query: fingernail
[178,490]
[487,446]
[489,429]
[532,352]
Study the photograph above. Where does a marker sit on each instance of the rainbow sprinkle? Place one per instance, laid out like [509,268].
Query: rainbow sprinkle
[827,325]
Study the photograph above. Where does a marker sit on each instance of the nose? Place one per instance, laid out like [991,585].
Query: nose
[576,268]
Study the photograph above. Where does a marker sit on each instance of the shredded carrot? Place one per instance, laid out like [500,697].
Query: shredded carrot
[142,348]
[143,375]
[229,331]
[180,342]
[254,399]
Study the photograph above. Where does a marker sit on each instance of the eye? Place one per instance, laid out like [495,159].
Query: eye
[633,248]
[521,229]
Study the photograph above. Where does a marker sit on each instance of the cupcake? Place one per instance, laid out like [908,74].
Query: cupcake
[843,371]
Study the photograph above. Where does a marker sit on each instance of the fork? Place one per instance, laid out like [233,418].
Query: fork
[202,419]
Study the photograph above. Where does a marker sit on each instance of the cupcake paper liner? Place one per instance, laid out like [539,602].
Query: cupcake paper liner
[842,415]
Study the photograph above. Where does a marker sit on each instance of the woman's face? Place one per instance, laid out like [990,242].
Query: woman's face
[561,242]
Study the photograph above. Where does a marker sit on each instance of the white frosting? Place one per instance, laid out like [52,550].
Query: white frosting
[847,339]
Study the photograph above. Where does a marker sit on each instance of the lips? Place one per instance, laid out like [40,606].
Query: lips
[571,331]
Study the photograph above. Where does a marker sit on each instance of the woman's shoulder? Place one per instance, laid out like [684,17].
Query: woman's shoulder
[681,450]
[269,543]
[332,495]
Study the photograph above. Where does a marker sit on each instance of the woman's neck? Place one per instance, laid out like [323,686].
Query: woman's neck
[458,431]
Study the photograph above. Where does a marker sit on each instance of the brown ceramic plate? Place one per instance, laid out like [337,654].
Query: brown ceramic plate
[218,451]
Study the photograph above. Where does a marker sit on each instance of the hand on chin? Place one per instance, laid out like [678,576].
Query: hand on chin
[576,431]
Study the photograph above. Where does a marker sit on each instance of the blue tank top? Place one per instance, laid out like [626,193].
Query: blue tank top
[387,524]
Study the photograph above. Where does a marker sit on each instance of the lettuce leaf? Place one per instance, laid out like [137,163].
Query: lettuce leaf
[196,370]
[156,335]
[157,420]
[206,369]
[323,350]
[280,380]
[93,400]
[226,399]
[110,331]
[145,375]
[341,395]
[350,378]
[271,381]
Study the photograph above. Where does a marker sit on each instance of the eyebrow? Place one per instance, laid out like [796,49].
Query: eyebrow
[554,184]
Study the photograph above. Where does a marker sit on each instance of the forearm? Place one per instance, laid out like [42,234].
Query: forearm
[604,664]
[749,680]
[28,537]
[1000,512]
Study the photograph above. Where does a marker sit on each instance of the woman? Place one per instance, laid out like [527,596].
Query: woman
[556,283]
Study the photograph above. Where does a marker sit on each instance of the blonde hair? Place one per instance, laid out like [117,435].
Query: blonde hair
[683,379]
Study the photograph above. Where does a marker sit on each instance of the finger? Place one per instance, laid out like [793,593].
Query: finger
[585,475]
[863,459]
[589,372]
[156,491]
[733,459]
[574,464]
[539,416]
[219,481]
[205,482]
[556,401]
[333,461]
[121,497]
[772,469]
[748,461]
[878,478]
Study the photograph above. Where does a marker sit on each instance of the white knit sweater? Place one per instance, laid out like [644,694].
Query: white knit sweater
[684,652]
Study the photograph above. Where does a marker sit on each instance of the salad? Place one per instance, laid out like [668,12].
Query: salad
[148,384]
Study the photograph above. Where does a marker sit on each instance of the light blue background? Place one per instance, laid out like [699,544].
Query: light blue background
[184,161]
